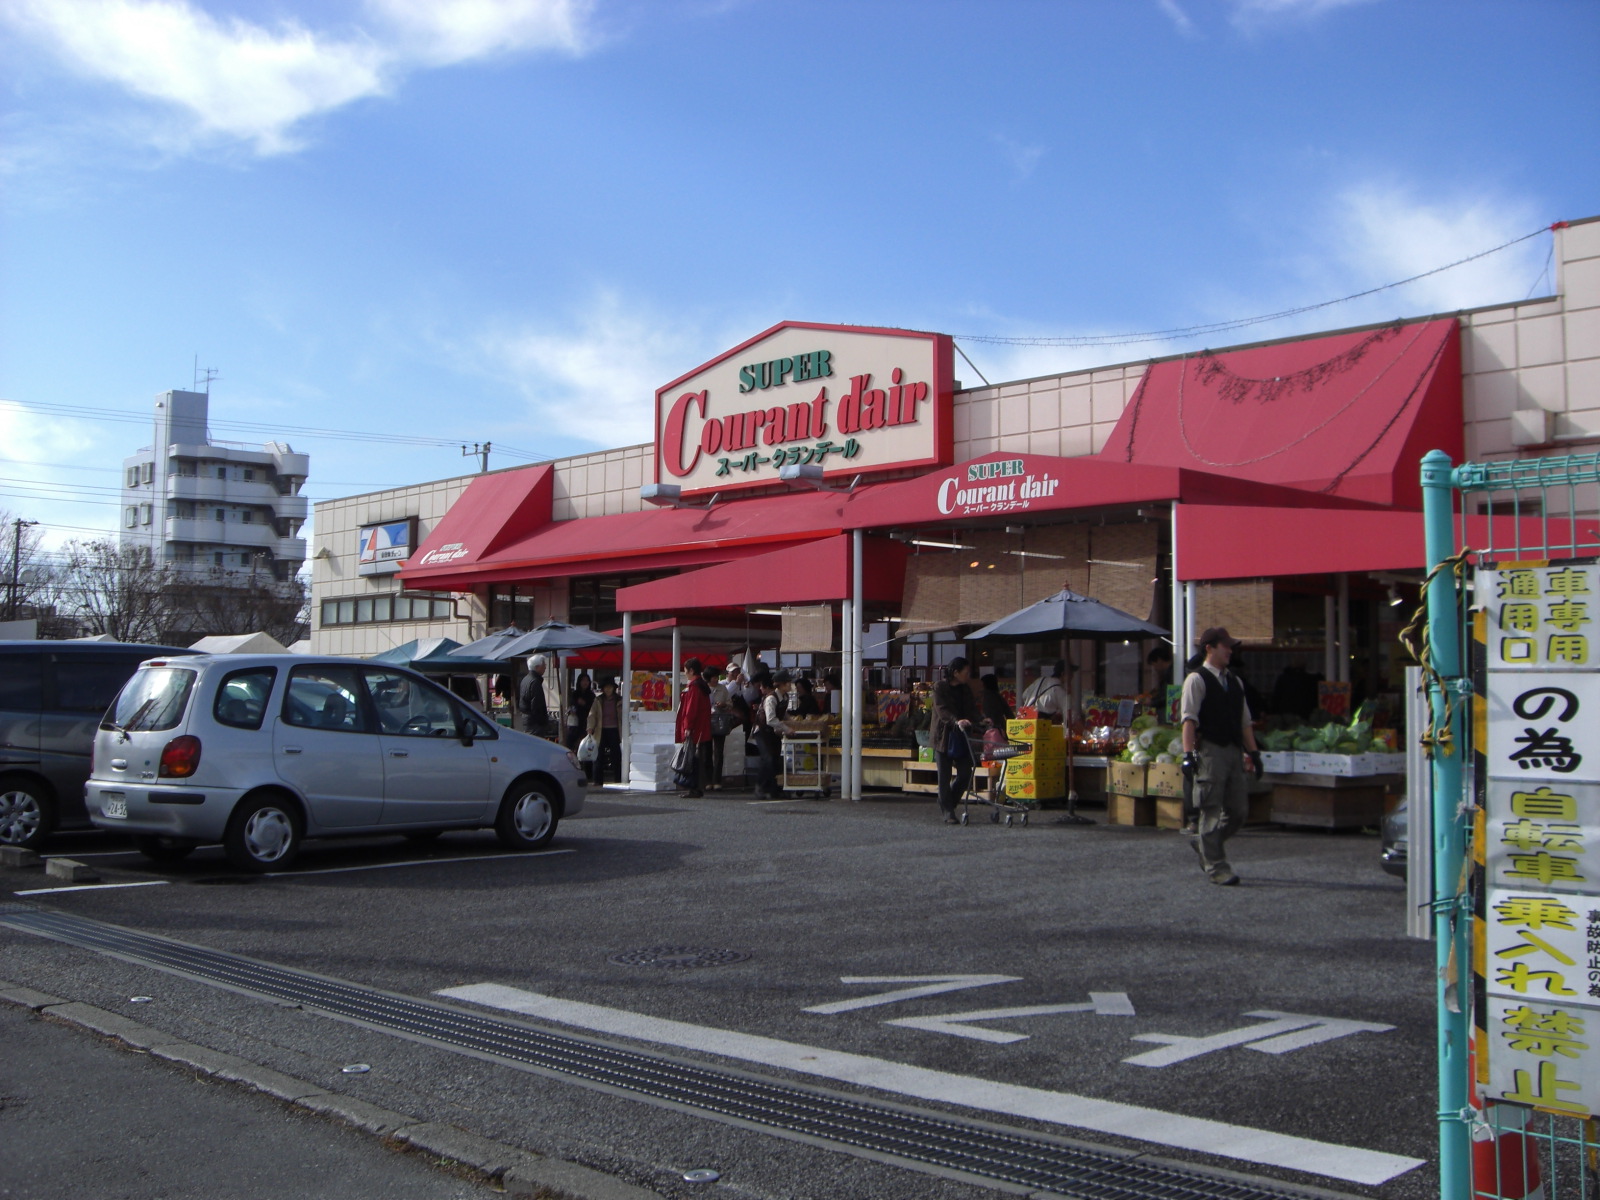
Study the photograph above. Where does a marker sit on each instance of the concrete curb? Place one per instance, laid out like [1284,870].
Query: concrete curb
[519,1172]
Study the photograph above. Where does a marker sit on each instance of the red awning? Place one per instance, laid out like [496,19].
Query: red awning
[654,539]
[494,510]
[808,573]
[1347,415]
[1216,542]
[1001,485]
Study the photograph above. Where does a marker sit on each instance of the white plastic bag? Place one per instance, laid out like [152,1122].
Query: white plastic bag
[588,749]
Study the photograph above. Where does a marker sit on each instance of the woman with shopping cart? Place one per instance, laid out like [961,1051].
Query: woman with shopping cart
[955,712]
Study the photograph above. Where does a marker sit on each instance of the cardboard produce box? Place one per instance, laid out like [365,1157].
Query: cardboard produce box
[1388,764]
[1164,779]
[1035,789]
[1036,768]
[1278,762]
[1332,764]
[1038,730]
[1131,810]
[1125,779]
[1169,814]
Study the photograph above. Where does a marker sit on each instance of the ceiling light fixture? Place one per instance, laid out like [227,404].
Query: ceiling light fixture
[940,545]
[1037,554]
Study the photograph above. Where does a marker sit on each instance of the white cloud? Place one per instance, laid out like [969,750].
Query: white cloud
[1253,14]
[232,80]
[1021,158]
[1380,233]
[596,381]
[1180,19]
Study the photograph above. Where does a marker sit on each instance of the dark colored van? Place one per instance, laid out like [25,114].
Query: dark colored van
[52,697]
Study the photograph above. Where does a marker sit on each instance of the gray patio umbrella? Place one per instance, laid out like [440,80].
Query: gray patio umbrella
[1066,614]
[1071,615]
[489,646]
[554,637]
[436,655]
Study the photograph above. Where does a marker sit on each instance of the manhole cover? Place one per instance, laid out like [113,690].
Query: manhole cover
[677,958]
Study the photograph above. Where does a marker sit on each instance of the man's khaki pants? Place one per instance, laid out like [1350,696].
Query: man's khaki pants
[1220,793]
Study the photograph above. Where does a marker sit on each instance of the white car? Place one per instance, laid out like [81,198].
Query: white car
[262,751]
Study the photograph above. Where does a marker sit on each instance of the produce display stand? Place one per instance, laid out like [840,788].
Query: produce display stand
[881,766]
[1331,801]
[924,776]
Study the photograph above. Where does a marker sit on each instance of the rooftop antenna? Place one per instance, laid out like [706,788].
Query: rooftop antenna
[210,373]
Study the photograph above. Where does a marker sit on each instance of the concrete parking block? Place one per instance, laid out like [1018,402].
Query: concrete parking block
[560,1180]
[71,871]
[18,856]
[26,997]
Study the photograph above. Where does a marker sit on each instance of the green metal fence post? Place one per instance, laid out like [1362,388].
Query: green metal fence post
[1450,926]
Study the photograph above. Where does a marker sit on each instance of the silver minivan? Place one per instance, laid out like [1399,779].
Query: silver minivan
[260,752]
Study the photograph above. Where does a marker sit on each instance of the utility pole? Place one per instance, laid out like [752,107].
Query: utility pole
[481,453]
[17,526]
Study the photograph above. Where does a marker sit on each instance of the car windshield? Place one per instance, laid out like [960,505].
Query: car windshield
[153,699]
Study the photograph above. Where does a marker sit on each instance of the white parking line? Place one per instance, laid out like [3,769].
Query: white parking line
[93,887]
[1262,1146]
[415,862]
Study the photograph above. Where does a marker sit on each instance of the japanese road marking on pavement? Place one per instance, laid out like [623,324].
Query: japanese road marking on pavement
[885,1075]
[1105,1004]
[1281,1033]
[93,887]
[414,862]
[935,985]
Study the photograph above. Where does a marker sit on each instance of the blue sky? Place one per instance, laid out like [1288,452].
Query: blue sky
[513,219]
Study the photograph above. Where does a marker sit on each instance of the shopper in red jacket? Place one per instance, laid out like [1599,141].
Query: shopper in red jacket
[694,724]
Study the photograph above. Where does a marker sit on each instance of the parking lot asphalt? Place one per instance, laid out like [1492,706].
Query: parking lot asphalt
[1104,965]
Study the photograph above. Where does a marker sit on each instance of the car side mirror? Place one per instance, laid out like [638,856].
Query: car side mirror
[466,735]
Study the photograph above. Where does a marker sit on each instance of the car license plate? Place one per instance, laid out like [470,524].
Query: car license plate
[113,805]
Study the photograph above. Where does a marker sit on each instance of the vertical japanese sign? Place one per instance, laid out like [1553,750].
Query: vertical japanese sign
[1542,916]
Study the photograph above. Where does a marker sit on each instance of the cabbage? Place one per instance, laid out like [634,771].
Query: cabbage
[1165,758]
[1147,738]
[1141,758]
[1175,746]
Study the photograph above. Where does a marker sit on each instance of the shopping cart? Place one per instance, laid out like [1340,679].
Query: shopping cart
[804,769]
[992,795]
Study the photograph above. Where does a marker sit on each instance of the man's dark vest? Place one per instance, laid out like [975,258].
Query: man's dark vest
[1220,710]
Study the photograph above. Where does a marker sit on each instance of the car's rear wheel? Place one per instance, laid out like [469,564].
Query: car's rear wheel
[27,812]
[528,815]
[263,834]
[164,849]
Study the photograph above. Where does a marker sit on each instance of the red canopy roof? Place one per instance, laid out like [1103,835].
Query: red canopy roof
[1346,415]
[804,574]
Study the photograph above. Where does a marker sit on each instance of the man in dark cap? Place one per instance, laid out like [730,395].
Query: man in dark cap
[1219,747]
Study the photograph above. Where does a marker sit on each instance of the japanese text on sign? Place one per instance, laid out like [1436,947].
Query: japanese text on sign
[1542,916]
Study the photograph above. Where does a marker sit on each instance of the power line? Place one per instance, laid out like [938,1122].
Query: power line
[302,431]
[1123,339]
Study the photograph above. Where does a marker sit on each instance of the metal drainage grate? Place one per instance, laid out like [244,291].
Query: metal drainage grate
[919,1139]
[677,958]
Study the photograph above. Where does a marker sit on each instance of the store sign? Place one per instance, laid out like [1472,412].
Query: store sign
[850,400]
[1542,913]
[384,549]
[987,488]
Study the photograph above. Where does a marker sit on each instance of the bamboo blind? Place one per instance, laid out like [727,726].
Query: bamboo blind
[807,628]
[1130,588]
[1243,608]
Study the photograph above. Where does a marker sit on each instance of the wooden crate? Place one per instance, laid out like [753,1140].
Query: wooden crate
[1339,803]
[1131,810]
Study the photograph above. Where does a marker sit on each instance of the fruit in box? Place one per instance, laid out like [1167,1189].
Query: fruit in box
[1035,789]
[1036,768]
[1039,730]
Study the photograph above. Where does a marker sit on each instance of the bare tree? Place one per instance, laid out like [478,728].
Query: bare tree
[124,591]
[22,564]
[221,603]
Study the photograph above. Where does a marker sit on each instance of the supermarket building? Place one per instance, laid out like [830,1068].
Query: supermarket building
[1271,487]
